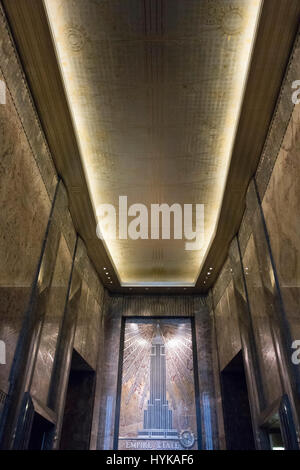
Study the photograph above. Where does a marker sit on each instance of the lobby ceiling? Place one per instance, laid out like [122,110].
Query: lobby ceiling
[155,89]
[162,101]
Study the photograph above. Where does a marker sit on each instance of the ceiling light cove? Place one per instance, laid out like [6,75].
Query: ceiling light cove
[155,108]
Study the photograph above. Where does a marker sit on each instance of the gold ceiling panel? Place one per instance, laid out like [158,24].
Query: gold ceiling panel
[155,89]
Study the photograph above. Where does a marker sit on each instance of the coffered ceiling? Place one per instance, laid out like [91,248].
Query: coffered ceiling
[148,99]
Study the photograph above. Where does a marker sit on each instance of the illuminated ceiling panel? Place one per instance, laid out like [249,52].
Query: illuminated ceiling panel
[155,90]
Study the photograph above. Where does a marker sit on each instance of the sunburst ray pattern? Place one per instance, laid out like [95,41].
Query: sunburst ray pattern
[176,335]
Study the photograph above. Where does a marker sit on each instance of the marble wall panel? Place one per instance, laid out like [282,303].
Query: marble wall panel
[267,293]
[235,300]
[27,185]
[266,307]
[281,208]
[63,355]
[90,308]
[222,282]
[100,385]
[260,306]
[248,343]
[18,92]
[88,326]
[24,212]
[204,334]
[87,271]
[81,330]
[53,315]
[36,323]
[217,385]
[109,363]
[273,302]
[93,332]
[227,326]
[81,326]
[281,122]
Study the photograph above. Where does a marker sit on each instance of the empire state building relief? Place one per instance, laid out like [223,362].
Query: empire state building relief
[158,408]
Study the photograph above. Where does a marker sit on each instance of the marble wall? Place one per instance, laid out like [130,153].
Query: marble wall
[51,299]
[226,317]
[24,211]
[256,297]
[280,205]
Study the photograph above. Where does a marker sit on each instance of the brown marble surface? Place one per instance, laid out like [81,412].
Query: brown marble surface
[277,181]
[281,120]
[24,212]
[27,186]
[222,282]
[260,306]
[53,316]
[19,92]
[281,207]
[227,327]
[221,444]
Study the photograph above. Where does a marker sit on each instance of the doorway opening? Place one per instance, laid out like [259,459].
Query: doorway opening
[40,430]
[274,433]
[77,422]
[279,426]
[236,409]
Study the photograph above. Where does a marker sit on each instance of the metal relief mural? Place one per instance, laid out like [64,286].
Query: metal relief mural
[158,409]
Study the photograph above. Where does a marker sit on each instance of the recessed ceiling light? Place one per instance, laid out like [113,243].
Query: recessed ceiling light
[104,269]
